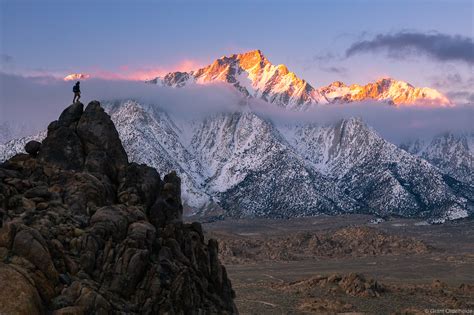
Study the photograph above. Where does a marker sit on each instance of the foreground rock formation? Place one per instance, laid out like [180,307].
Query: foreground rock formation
[83,231]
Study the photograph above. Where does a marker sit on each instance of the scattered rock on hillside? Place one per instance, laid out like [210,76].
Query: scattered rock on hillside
[352,284]
[343,242]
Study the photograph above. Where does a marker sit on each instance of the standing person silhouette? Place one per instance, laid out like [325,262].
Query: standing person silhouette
[77,92]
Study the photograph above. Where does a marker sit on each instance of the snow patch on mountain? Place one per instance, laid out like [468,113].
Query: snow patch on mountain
[452,153]
[253,75]
[249,165]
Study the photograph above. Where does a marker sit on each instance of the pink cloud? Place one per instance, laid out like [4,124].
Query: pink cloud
[127,72]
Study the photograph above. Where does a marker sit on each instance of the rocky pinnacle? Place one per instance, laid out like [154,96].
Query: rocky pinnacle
[83,231]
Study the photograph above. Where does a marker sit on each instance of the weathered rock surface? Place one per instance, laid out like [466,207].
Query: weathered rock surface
[32,147]
[344,293]
[339,243]
[83,231]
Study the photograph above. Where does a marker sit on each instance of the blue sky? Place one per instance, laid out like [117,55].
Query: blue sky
[310,37]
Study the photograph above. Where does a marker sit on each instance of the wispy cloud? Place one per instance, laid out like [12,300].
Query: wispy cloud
[396,124]
[127,72]
[458,87]
[461,96]
[441,47]
[37,101]
[4,58]
[334,69]
[448,80]
[123,72]
[325,61]
[324,57]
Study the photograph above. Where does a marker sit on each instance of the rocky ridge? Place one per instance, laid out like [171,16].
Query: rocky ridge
[252,74]
[85,231]
[242,164]
[388,90]
[452,153]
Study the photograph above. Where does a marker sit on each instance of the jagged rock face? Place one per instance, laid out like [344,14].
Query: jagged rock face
[153,138]
[253,75]
[88,141]
[84,231]
[451,153]
[248,166]
[253,173]
[377,174]
[387,90]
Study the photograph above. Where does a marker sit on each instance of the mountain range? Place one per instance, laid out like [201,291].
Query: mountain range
[244,164]
[253,75]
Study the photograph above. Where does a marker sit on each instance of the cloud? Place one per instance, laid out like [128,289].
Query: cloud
[36,101]
[127,72]
[450,79]
[461,96]
[4,58]
[323,62]
[459,88]
[441,47]
[324,57]
[123,72]
[39,100]
[395,124]
[334,69]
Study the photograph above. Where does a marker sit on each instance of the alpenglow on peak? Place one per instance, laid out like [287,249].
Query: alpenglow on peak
[255,76]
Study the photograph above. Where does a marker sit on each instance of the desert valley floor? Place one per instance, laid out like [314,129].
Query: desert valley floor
[346,264]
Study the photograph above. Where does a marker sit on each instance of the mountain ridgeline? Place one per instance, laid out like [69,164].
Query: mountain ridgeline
[253,75]
[243,165]
[83,231]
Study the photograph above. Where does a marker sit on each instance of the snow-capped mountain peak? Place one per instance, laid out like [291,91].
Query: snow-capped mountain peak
[254,75]
[76,76]
[387,90]
[244,164]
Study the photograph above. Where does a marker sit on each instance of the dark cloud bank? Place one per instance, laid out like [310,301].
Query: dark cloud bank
[438,46]
[35,102]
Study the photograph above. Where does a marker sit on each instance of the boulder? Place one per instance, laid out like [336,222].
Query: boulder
[18,294]
[32,147]
[30,244]
[38,192]
[71,115]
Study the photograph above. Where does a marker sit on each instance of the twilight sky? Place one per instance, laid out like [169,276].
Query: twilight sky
[427,43]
